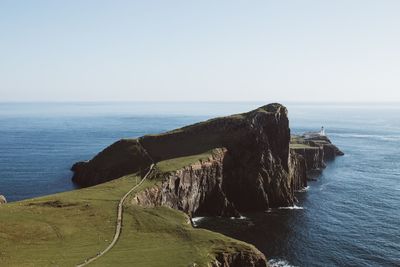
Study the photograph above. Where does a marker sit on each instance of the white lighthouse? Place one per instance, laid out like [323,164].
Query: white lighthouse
[322,132]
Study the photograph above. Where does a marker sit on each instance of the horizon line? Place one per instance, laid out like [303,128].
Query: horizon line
[190,101]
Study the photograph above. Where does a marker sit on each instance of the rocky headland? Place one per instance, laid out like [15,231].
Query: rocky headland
[250,162]
[254,164]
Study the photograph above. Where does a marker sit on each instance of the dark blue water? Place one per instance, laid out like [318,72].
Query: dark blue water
[349,217]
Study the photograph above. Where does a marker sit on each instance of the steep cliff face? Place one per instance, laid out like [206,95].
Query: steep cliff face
[297,171]
[195,189]
[2,200]
[255,167]
[240,259]
[313,156]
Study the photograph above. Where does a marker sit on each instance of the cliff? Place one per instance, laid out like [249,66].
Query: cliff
[195,189]
[297,171]
[250,167]
[255,172]
[240,259]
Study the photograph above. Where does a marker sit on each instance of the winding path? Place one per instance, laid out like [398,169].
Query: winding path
[119,222]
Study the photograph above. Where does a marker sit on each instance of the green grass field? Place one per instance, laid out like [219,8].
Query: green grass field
[66,228]
[163,237]
[60,229]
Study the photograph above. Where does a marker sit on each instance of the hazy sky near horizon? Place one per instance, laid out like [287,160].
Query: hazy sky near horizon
[93,50]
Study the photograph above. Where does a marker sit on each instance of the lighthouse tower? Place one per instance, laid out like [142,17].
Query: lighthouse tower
[322,132]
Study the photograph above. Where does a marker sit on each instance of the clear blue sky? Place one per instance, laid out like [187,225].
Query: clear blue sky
[341,50]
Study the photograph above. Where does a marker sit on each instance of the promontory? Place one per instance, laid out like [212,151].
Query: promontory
[138,196]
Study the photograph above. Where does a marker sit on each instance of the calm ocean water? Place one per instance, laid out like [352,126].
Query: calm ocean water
[349,217]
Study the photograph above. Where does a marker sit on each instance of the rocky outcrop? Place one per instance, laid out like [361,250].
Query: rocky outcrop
[3,199]
[240,259]
[195,189]
[121,158]
[316,151]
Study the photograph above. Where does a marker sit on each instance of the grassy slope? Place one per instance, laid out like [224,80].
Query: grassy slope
[180,162]
[75,225]
[37,234]
[298,142]
[163,237]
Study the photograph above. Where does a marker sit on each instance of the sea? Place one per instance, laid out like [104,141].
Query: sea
[349,216]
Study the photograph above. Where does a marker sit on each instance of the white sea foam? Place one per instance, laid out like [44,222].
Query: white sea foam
[324,186]
[279,263]
[294,207]
[305,189]
[238,218]
[196,220]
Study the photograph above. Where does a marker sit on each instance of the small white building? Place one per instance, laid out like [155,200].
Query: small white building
[315,134]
